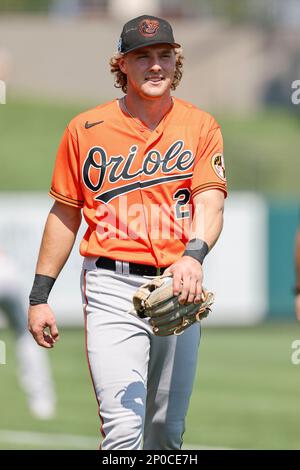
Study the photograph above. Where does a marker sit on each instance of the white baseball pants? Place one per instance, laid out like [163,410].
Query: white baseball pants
[142,383]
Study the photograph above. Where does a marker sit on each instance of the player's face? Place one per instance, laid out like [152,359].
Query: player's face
[150,70]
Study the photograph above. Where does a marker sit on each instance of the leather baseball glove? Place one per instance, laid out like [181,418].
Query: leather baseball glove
[155,300]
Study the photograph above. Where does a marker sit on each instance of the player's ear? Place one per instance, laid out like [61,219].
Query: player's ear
[122,65]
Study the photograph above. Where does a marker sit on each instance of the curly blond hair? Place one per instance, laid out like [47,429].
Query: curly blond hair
[121,78]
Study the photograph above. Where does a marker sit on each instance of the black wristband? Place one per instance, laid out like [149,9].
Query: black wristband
[197,249]
[297,290]
[41,289]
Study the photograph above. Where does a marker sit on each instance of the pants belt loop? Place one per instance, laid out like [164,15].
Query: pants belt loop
[119,269]
[125,268]
[157,271]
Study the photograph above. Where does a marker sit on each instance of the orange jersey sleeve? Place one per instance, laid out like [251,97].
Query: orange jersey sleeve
[65,186]
[209,169]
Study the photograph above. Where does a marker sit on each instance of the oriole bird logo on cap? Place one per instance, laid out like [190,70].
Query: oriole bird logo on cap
[148,27]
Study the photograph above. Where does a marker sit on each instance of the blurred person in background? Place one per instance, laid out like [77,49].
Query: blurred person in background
[33,369]
[297,265]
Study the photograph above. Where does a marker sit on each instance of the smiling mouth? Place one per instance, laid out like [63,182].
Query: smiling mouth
[154,79]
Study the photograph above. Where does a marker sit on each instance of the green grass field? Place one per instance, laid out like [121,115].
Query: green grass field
[246,394]
[246,390]
[261,149]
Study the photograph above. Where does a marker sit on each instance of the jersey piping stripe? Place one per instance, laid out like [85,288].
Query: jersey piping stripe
[66,197]
[208,186]
[87,356]
[65,201]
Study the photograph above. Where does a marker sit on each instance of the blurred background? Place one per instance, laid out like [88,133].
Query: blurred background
[242,65]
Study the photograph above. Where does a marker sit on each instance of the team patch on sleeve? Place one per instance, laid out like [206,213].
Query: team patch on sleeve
[218,165]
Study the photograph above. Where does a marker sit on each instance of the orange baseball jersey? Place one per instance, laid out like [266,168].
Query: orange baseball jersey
[136,186]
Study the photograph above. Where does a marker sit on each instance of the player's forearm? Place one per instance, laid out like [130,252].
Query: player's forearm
[207,221]
[58,239]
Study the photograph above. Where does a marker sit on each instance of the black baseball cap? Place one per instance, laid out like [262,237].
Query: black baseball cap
[143,31]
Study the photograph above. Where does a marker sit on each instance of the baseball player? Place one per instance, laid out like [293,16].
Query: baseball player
[34,372]
[148,174]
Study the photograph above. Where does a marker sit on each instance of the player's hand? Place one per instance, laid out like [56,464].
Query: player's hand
[41,317]
[297,306]
[188,271]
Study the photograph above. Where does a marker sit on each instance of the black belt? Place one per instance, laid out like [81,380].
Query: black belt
[134,268]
